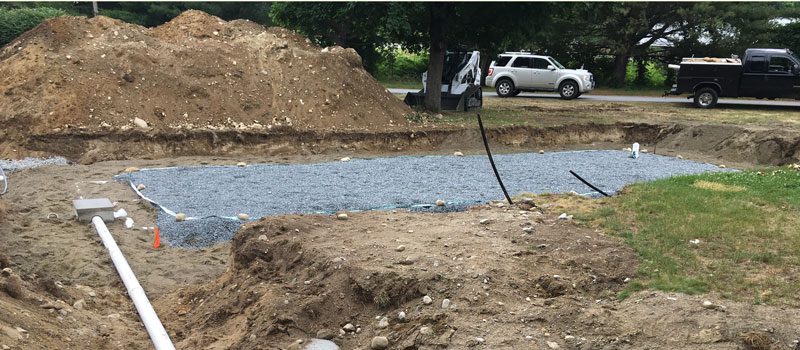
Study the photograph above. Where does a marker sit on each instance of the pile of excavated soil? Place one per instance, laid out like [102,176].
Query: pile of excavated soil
[194,72]
[513,279]
[296,276]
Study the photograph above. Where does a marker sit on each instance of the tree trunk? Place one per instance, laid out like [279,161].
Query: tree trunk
[641,71]
[485,67]
[620,69]
[670,78]
[438,25]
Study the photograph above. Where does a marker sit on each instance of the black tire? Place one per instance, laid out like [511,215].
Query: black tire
[568,90]
[515,93]
[505,88]
[706,98]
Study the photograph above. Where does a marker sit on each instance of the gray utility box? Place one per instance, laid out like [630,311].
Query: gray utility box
[86,209]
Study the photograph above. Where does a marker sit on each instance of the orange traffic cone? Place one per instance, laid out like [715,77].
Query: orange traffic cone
[157,243]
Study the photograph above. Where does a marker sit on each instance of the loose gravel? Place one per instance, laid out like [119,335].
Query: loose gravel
[14,165]
[381,183]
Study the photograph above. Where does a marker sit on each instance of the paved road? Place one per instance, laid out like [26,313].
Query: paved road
[615,98]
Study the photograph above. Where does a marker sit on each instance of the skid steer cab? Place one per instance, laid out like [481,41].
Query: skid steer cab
[461,83]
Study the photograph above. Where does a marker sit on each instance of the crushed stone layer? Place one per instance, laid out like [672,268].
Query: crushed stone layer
[11,165]
[381,183]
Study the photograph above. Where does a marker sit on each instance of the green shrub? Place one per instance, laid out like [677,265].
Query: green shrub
[14,22]
[654,76]
[401,66]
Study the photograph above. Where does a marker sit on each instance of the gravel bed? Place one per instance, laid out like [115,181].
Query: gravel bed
[382,183]
[14,165]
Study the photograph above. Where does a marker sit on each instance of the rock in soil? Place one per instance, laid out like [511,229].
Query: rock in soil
[383,323]
[325,333]
[13,287]
[379,343]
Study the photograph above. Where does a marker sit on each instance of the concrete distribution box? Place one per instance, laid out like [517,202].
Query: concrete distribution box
[86,209]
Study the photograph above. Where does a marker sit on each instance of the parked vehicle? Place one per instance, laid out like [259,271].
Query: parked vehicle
[461,82]
[765,73]
[514,72]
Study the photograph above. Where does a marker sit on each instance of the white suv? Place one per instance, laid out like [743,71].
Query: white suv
[514,72]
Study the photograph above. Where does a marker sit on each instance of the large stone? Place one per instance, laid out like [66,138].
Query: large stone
[383,323]
[140,123]
[379,343]
[325,333]
[320,344]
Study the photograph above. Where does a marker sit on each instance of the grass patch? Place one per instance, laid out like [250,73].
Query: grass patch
[749,237]
[552,111]
[402,84]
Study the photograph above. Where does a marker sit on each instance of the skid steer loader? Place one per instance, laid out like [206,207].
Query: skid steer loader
[461,82]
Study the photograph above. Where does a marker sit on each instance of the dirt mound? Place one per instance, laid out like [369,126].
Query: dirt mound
[195,72]
[296,277]
[41,313]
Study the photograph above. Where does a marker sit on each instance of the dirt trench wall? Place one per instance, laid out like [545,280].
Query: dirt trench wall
[92,147]
[734,143]
[723,143]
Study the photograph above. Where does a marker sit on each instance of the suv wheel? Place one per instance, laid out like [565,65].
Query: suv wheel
[705,98]
[568,90]
[505,88]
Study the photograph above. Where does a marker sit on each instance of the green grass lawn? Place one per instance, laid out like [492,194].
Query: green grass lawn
[747,224]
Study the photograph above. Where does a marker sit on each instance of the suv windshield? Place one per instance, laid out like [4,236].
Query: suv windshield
[555,62]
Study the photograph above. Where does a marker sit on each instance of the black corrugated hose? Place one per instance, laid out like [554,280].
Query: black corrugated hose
[491,160]
[588,184]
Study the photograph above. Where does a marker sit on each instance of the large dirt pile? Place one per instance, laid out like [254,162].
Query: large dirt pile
[299,277]
[194,72]
[498,278]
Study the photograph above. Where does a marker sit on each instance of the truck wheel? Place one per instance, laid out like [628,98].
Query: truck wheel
[568,90]
[505,88]
[705,98]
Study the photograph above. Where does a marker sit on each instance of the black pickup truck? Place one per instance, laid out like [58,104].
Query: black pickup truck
[765,73]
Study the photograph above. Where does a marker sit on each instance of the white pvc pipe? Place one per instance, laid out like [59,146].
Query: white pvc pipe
[158,335]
